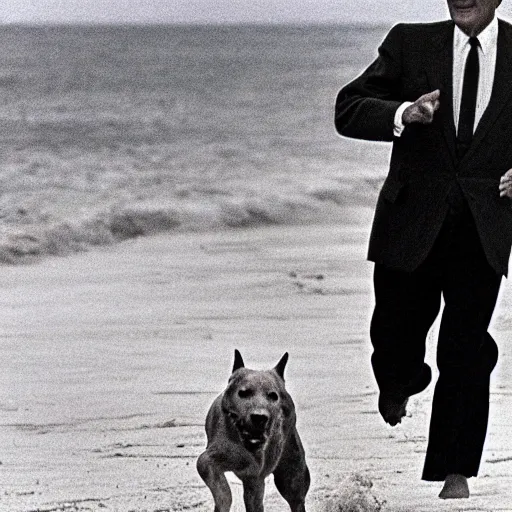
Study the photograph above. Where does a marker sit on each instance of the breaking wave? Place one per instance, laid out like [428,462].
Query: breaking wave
[194,209]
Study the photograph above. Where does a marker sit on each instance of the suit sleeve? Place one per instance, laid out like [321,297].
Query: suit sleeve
[365,108]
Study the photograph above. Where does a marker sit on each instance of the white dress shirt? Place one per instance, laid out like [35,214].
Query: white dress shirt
[488,39]
[487,50]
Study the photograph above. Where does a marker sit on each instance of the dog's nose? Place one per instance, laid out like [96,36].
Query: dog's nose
[259,420]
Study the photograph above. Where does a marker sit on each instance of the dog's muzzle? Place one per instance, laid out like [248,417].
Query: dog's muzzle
[253,430]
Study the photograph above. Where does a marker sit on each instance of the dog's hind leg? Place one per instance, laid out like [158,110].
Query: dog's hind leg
[216,481]
[254,490]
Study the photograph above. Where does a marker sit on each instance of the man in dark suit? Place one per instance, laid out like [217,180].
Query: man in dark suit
[442,93]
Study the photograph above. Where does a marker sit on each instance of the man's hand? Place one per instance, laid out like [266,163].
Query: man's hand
[506,184]
[422,110]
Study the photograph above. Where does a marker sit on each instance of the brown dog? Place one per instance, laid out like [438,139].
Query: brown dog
[251,431]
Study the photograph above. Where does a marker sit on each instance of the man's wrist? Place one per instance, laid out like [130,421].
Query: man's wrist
[398,122]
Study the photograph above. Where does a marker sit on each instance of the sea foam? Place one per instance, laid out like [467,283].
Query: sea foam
[187,211]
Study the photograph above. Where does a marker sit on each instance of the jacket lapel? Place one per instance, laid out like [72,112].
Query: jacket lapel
[440,76]
[502,87]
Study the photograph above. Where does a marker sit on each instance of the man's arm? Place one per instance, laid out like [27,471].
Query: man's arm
[366,107]
[370,107]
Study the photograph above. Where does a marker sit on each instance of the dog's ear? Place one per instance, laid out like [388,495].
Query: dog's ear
[279,367]
[239,362]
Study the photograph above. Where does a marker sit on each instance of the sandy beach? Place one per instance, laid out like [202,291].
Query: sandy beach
[111,358]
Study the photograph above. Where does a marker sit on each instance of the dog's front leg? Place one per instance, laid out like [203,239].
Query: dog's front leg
[291,476]
[214,478]
[254,489]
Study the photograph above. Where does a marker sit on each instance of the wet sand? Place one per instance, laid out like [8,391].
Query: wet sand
[110,359]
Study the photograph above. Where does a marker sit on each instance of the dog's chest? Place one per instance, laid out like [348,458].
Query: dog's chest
[264,461]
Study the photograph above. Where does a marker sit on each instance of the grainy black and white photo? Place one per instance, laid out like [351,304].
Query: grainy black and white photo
[254,255]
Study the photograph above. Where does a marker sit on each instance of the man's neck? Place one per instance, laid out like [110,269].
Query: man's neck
[476,31]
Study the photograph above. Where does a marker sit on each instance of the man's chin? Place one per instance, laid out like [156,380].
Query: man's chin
[464,15]
[462,5]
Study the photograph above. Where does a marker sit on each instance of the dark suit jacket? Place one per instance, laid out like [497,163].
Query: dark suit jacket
[415,59]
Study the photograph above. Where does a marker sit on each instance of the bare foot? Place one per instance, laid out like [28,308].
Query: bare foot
[455,486]
[392,409]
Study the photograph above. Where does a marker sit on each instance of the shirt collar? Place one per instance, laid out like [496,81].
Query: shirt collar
[488,38]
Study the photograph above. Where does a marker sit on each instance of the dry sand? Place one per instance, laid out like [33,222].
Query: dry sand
[110,359]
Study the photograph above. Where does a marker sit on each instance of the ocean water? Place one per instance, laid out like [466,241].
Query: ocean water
[108,133]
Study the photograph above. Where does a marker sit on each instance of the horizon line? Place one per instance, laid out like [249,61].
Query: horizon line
[44,24]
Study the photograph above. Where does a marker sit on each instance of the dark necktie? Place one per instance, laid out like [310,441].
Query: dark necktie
[468,100]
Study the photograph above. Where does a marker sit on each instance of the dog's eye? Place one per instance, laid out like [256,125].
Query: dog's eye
[245,393]
[273,396]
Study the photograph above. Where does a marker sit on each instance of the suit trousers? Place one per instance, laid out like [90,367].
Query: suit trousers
[406,305]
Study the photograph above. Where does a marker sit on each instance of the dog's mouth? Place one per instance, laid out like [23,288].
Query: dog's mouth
[253,437]
[253,440]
